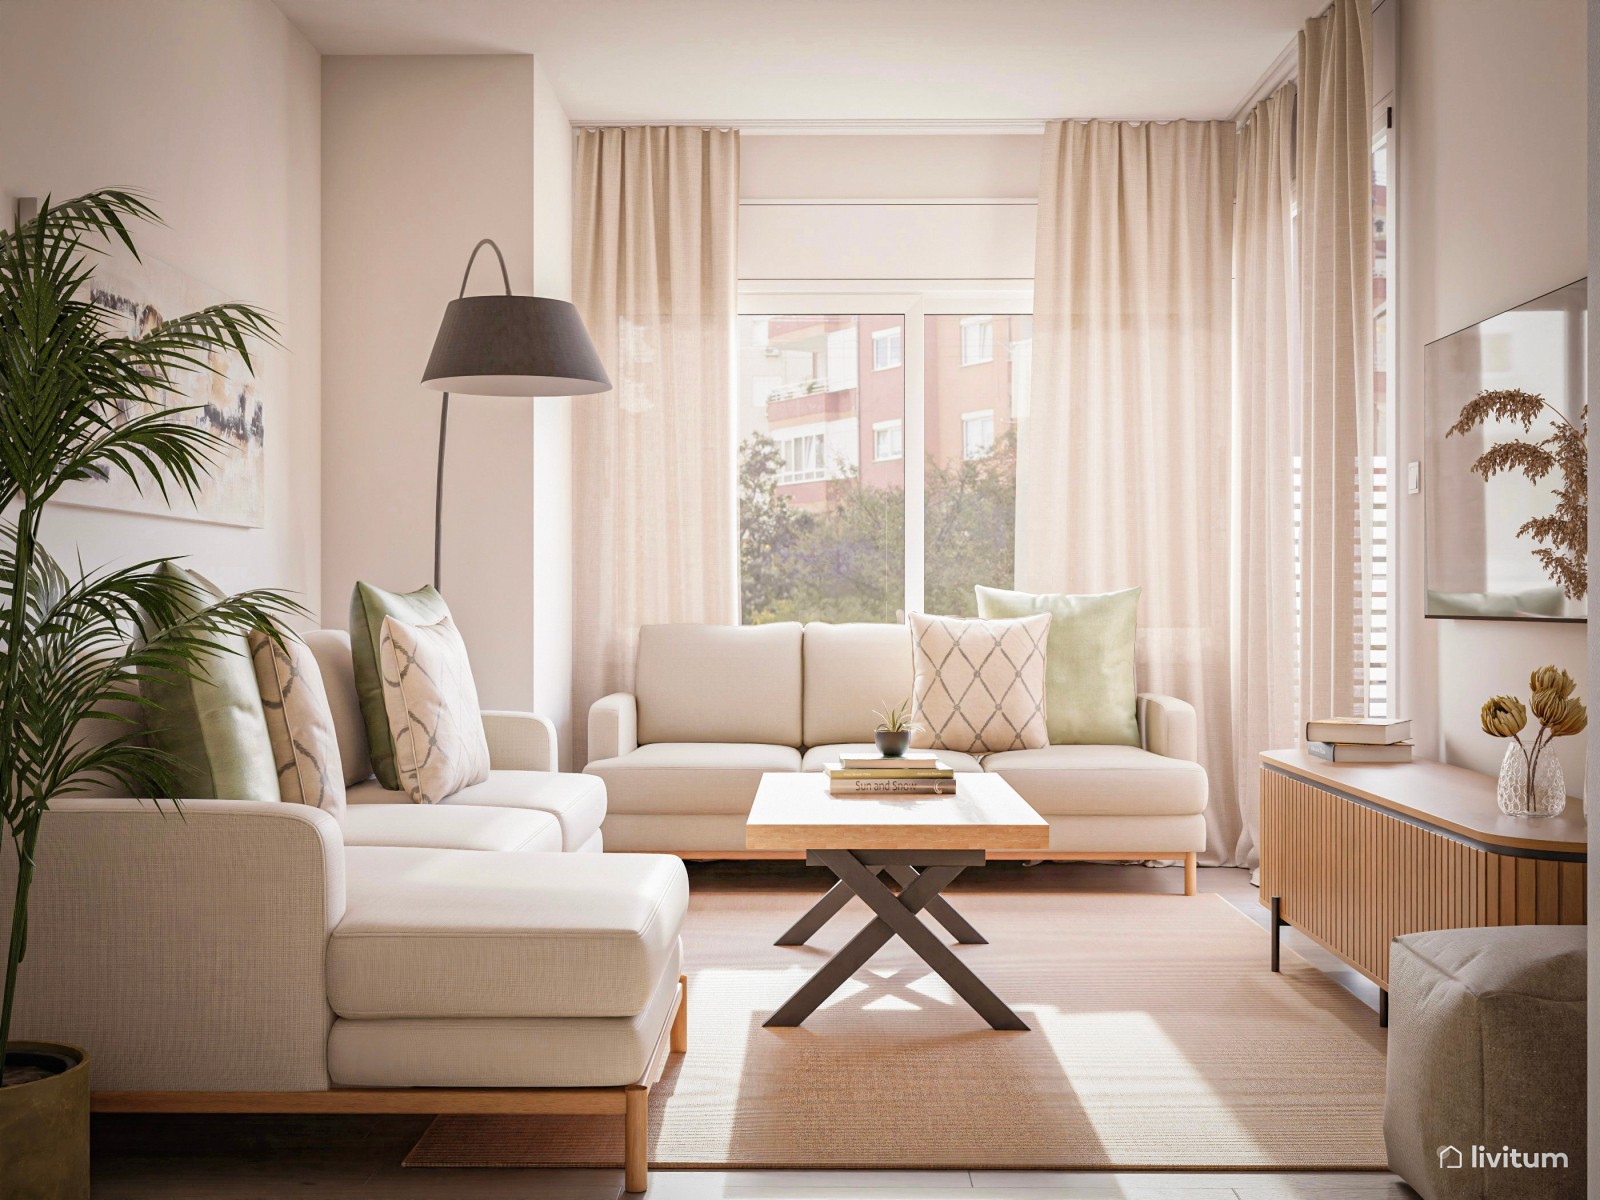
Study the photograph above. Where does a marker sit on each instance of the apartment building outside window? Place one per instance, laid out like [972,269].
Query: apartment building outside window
[977,340]
[886,349]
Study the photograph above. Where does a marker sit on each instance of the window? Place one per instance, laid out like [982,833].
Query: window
[977,340]
[977,434]
[888,441]
[886,350]
[821,476]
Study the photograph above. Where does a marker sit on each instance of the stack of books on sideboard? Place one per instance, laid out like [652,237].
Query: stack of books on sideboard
[877,775]
[1359,740]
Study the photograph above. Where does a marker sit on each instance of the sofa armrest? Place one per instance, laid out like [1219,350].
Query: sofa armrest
[613,726]
[520,741]
[1168,727]
[186,951]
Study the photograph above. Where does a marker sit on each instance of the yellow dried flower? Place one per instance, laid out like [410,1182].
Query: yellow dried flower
[1552,679]
[1566,718]
[1503,716]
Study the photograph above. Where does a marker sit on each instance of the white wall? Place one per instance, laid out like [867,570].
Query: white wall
[423,156]
[209,106]
[1491,149]
[552,422]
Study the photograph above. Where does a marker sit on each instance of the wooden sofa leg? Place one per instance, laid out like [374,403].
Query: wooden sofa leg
[1191,861]
[680,1023]
[636,1138]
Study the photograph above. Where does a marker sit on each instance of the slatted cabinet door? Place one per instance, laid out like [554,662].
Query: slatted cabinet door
[1353,874]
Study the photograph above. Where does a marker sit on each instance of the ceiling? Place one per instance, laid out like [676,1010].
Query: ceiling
[733,61]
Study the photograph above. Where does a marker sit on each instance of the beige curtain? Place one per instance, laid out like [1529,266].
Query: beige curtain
[1124,461]
[1334,178]
[654,228]
[1266,402]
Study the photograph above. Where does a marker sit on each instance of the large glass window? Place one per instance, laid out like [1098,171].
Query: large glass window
[970,465]
[842,450]
[821,501]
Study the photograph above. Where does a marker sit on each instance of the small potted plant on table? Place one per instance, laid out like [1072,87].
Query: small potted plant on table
[894,729]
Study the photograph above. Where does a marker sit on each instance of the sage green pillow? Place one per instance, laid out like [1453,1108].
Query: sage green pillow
[368,607]
[1090,692]
[210,721]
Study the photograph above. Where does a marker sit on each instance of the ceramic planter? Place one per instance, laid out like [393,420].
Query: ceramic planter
[893,743]
[44,1126]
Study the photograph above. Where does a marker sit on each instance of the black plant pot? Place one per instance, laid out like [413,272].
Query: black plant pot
[892,743]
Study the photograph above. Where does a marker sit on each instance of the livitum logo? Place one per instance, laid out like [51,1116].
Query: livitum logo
[1452,1159]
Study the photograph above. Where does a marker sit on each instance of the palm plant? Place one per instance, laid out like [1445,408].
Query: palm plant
[78,401]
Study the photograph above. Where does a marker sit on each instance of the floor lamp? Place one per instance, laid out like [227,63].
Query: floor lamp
[506,346]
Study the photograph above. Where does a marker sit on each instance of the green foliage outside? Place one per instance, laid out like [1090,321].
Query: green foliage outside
[848,563]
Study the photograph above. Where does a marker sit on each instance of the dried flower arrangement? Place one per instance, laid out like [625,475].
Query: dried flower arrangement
[1560,714]
[1566,531]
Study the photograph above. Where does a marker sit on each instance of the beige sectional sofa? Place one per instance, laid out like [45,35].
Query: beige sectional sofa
[714,707]
[454,957]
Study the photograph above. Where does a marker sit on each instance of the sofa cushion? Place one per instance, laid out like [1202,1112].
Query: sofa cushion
[450,827]
[690,777]
[331,648]
[1111,780]
[368,607]
[719,683]
[1090,683]
[818,757]
[979,685]
[461,934]
[209,720]
[520,1052]
[432,701]
[851,673]
[300,729]
[577,802]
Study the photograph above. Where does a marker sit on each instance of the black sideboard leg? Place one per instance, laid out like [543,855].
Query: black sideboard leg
[1277,925]
[1383,1008]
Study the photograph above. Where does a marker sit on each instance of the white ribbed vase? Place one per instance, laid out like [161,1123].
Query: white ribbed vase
[1546,796]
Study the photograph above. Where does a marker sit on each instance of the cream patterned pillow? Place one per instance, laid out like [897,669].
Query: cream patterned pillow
[432,703]
[979,685]
[305,748]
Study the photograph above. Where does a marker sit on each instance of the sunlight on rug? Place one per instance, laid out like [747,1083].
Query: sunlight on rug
[1159,1040]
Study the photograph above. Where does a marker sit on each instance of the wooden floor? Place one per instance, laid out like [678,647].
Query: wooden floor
[358,1158]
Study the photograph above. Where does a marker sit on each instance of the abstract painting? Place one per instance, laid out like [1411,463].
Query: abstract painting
[228,400]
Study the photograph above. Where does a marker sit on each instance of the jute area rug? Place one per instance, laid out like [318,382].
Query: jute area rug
[1159,1040]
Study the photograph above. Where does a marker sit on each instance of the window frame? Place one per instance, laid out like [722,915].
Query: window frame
[898,425]
[969,418]
[912,302]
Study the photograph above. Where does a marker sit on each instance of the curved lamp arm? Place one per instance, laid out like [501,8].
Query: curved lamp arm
[444,409]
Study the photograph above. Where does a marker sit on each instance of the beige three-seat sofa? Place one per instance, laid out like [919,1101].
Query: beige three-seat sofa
[714,707]
[477,955]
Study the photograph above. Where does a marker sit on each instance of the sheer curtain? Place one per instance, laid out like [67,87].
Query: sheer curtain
[654,232]
[1124,461]
[1266,402]
[1334,178]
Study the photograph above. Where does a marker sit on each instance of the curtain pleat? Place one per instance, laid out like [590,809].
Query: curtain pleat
[1124,471]
[655,226]
[1334,182]
[1266,402]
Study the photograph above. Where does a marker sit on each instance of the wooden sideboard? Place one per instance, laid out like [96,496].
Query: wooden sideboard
[1355,855]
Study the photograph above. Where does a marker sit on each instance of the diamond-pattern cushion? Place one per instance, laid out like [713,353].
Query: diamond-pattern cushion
[432,705]
[979,685]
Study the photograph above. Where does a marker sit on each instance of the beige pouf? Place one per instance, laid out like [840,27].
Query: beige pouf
[1486,1062]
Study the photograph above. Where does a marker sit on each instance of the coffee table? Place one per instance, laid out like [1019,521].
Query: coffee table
[922,843]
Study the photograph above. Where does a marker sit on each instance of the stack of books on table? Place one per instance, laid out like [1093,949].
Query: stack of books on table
[875,775]
[1359,740]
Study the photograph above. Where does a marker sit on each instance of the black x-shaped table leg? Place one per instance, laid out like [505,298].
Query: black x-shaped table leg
[858,872]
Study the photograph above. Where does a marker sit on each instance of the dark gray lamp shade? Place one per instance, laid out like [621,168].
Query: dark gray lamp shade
[514,346]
